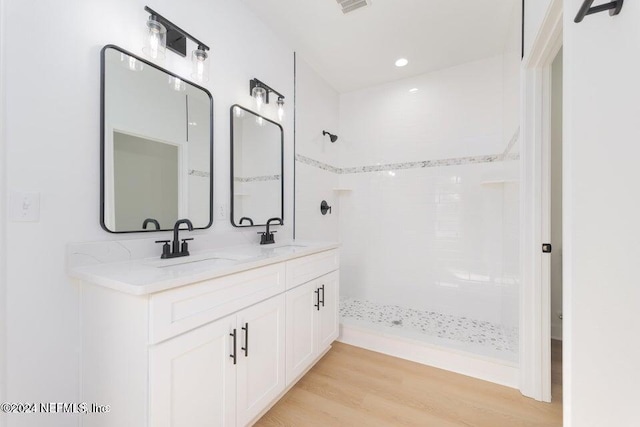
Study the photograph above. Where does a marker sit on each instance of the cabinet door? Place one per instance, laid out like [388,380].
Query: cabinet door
[192,378]
[261,357]
[302,343]
[328,323]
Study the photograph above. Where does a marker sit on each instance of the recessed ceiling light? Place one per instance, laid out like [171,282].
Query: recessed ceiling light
[413,90]
[401,62]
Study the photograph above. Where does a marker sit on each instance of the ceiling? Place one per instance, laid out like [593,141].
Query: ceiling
[358,50]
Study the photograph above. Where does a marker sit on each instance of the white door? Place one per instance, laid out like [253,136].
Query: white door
[261,357]
[328,315]
[601,217]
[192,378]
[302,344]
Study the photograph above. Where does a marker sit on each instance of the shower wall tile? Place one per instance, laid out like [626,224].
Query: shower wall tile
[316,157]
[431,221]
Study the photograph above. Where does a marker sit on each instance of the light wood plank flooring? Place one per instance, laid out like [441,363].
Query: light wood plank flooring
[351,386]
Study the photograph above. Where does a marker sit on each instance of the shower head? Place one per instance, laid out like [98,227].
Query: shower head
[332,137]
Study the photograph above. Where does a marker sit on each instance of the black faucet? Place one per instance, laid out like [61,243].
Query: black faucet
[267,236]
[177,249]
[150,221]
[246,218]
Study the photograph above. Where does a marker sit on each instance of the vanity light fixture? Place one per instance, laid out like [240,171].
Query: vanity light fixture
[260,94]
[156,39]
[200,65]
[261,91]
[163,33]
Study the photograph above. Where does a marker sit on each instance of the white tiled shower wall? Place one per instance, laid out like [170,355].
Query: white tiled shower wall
[316,110]
[438,238]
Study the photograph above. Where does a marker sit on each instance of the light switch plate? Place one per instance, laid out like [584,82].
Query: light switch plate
[25,207]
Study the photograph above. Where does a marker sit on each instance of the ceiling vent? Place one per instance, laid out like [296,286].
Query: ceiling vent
[351,5]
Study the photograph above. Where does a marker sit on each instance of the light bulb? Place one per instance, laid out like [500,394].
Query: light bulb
[156,39]
[280,109]
[200,65]
[260,94]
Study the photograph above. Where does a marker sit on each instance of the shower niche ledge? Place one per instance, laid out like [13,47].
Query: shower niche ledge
[206,342]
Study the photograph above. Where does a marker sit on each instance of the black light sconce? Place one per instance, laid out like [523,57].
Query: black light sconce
[332,137]
[164,33]
[260,91]
[613,7]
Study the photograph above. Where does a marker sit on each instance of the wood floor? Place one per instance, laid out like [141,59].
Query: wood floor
[351,386]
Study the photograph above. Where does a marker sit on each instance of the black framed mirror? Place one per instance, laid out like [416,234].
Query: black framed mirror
[257,168]
[156,159]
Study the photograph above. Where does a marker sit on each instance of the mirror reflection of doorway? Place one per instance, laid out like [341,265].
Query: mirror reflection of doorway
[556,227]
[146,181]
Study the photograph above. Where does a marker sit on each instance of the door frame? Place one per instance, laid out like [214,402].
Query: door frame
[535,297]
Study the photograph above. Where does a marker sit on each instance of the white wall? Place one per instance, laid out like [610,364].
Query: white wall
[556,197]
[456,112]
[317,110]
[511,60]
[601,211]
[431,238]
[534,13]
[52,131]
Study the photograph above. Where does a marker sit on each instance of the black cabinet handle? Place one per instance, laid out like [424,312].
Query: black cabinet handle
[317,304]
[321,302]
[245,328]
[233,355]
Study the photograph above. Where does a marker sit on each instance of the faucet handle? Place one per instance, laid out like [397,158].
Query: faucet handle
[165,247]
[264,232]
[184,248]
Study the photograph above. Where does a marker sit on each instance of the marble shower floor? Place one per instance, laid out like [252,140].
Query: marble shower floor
[461,333]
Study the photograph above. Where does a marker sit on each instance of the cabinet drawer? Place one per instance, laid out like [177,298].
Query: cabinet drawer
[176,311]
[307,268]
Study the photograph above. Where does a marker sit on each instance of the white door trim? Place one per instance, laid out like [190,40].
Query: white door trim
[535,301]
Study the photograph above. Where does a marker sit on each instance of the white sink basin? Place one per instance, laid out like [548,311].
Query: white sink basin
[286,249]
[209,260]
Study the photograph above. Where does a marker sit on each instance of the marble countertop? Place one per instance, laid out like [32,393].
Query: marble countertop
[149,275]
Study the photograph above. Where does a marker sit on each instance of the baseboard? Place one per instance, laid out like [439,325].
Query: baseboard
[484,368]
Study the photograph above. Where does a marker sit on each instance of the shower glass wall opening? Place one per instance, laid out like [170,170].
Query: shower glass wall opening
[430,226]
[424,182]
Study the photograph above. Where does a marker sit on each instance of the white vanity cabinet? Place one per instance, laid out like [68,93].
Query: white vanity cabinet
[192,379]
[217,352]
[224,372]
[312,322]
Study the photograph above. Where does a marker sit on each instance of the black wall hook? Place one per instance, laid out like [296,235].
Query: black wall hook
[613,7]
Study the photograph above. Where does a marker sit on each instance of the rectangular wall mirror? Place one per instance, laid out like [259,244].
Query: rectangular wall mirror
[257,189]
[157,147]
